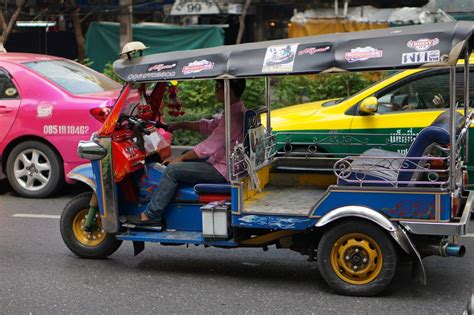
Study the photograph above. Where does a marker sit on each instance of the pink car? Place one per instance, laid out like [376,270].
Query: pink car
[47,104]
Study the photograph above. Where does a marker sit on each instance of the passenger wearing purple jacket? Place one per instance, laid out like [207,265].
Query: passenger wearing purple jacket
[185,169]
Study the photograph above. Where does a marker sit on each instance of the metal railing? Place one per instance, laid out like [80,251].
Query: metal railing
[360,169]
[374,170]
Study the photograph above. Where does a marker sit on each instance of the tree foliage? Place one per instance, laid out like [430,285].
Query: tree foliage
[109,71]
[308,88]
[7,24]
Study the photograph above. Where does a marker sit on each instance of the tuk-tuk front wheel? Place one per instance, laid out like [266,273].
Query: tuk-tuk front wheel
[357,258]
[87,244]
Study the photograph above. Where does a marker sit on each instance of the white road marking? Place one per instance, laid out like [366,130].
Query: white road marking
[469,235]
[36,216]
[250,264]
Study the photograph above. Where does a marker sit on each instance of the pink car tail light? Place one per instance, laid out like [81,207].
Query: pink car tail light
[100,113]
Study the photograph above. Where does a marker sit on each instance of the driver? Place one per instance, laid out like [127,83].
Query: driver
[185,168]
[438,102]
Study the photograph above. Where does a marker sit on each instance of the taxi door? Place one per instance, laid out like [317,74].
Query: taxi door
[9,103]
[404,108]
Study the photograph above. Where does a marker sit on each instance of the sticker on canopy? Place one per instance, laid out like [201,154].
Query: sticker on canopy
[152,75]
[44,110]
[279,58]
[363,53]
[314,50]
[423,44]
[198,66]
[421,57]
[161,67]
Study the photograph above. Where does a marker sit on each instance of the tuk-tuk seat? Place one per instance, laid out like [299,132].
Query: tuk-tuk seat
[190,193]
[212,188]
[387,171]
[185,193]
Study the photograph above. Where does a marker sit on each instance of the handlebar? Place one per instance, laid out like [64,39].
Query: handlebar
[159,124]
[139,124]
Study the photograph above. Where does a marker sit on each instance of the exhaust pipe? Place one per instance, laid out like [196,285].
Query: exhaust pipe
[455,250]
[443,249]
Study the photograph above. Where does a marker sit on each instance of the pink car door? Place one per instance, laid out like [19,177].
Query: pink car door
[9,103]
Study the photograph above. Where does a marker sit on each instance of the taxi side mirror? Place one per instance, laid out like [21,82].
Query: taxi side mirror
[369,105]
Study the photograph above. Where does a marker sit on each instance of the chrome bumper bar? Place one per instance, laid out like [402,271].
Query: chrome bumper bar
[443,228]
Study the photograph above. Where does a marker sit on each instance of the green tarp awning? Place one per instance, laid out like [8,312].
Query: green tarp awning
[102,39]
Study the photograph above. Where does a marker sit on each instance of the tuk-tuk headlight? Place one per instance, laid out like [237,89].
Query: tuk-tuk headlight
[91,150]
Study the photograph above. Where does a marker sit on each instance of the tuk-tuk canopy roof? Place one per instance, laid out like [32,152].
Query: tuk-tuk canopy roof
[428,45]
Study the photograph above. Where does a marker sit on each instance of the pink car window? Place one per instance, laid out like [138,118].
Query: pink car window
[73,77]
[8,90]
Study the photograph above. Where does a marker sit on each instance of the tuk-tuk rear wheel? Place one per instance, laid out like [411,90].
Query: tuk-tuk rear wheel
[357,258]
[94,244]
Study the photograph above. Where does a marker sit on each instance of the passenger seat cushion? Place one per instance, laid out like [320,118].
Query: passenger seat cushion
[428,137]
[383,164]
[375,164]
[213,188]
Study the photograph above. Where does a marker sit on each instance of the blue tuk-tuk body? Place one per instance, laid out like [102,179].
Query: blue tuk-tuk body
[357,221]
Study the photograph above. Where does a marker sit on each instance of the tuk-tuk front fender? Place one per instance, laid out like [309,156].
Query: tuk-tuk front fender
[83,173]
[398,233]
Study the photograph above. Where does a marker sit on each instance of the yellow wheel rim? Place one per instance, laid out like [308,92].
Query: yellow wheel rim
[93,238]
[356,258]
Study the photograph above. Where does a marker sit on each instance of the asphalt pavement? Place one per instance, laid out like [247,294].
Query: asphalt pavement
[39,275]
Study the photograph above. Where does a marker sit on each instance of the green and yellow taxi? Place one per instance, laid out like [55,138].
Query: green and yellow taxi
[388,114]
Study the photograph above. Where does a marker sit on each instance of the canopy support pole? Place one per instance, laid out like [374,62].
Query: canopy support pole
[452,127]
[466,100]
[227,127]
[267,105]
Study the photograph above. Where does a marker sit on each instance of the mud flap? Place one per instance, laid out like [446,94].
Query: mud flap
[138,247]
[418,270]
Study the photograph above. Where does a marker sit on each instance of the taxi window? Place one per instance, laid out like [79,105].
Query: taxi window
[73,77]
[8,90]
[423,93]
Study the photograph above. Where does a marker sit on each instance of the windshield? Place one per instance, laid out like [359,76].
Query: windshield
[73,77]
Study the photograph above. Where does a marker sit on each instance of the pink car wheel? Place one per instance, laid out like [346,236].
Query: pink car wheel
[34,169]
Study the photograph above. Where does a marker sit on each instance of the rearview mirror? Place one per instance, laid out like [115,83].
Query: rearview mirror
[369,105]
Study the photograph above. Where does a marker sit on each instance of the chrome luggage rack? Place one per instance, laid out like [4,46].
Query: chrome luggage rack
[384,170]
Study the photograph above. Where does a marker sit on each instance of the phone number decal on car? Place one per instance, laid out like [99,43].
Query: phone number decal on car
[65,130]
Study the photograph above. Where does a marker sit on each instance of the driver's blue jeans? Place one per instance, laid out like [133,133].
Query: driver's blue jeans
[184,173]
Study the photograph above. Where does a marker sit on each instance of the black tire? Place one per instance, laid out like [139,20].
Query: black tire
[53,175]
[366,249]
[105,245]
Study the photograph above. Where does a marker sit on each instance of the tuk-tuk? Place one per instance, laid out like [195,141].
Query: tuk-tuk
[383,206]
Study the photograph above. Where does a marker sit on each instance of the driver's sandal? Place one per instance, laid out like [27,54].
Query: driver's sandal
[138,221]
